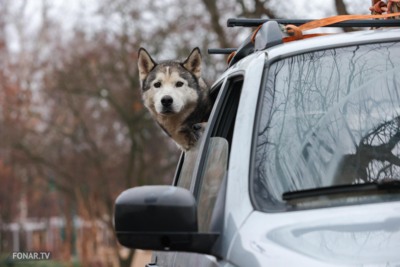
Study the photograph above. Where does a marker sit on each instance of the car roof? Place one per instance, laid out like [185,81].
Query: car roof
[333,40]
[316,43]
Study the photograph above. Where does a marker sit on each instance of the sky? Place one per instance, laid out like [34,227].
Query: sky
[68,14]
[82,13]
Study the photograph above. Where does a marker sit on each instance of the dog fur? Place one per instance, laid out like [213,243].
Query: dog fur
[176,96]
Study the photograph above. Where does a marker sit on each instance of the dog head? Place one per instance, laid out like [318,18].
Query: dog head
[169,87]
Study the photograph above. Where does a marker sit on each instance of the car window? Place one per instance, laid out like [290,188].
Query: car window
[214,164]
[186,172]
[328,118]
[187,162]
[215,170]
[207,165]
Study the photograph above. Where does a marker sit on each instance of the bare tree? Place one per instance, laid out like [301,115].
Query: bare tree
[72,112]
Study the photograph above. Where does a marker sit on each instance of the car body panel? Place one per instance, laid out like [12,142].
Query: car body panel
[367,235]
[237,199]
[358,235]
[273,243]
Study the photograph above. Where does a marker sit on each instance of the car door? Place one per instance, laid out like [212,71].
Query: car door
[203,171]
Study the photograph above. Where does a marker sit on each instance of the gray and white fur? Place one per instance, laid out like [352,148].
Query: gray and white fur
[176,96]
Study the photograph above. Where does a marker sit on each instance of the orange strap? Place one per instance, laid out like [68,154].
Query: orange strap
[390,3]
[297,31]
[254,34]
[379,7]
[231,55]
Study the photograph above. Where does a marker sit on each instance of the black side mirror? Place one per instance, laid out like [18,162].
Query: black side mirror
[160,218]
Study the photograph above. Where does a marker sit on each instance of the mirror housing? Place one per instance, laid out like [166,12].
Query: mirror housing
[160,218]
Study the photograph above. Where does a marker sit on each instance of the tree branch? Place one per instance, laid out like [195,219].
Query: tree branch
[212,9]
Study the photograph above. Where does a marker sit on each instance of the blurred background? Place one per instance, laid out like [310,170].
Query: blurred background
[73,131]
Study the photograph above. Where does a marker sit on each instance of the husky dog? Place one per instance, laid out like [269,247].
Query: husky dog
[176,96]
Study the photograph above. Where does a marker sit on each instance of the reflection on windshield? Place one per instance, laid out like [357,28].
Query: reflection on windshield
[328,118]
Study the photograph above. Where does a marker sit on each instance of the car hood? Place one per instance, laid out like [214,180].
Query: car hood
[362,235]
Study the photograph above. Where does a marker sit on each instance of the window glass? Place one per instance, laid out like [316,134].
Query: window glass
[185,175]
[215,170]
[328,118]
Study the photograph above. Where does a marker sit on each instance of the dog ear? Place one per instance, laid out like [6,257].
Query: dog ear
[145,63]
[193,62]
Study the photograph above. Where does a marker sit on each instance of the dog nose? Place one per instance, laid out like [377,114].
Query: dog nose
[166,101]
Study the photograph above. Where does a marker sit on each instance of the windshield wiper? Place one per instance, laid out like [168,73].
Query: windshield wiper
[390,186]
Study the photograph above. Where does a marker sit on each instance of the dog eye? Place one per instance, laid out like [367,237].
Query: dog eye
[157,84]
[179,84]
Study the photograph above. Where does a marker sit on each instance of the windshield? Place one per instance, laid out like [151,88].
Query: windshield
[328,118]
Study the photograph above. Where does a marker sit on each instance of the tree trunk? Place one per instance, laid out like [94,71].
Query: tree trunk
[68,233]
[342,10]
[212,9]
[341,7]
[126,261]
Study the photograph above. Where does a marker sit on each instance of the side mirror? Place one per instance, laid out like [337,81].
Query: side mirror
[160,218]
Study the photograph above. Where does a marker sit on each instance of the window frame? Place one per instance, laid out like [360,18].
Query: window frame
[259,108]
[212,126]
[215,126]
[221,85]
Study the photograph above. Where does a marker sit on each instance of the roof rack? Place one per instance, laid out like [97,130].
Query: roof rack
[245,22]
[271,32]
[224,51]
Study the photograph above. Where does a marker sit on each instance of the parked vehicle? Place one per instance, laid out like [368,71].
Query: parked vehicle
[299,164]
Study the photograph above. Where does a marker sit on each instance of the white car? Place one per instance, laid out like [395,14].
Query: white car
[299,164]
